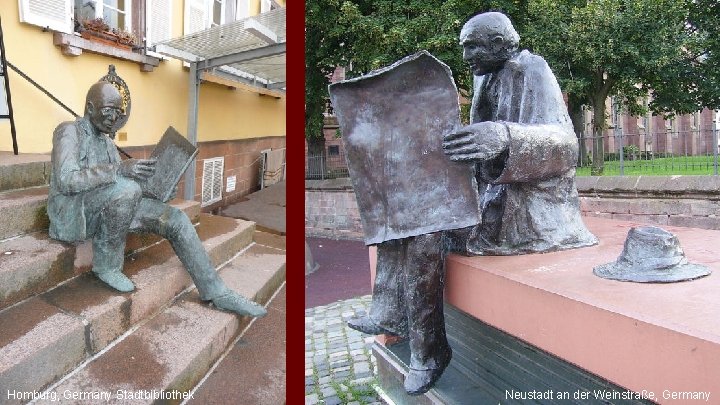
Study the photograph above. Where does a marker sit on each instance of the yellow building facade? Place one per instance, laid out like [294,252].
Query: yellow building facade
[235,122]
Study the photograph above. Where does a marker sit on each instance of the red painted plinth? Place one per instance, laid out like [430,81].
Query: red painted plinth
[659,338]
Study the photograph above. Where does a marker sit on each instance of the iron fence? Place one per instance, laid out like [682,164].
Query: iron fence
[671,152]
[326,166]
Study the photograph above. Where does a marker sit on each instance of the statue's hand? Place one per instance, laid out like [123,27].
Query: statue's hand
[476,142]
[138,169]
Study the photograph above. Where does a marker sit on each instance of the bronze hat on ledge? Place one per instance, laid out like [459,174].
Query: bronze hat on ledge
[651,255]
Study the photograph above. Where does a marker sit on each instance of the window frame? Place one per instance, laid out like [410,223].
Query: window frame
[99,13]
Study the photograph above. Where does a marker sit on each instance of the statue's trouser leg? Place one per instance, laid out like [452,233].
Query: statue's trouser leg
[108,212]
[388,303]
[171,223]
[424,285]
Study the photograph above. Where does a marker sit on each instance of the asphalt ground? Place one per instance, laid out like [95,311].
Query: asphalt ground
[344,271]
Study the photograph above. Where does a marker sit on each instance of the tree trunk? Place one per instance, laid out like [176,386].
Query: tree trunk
[578,120]
[315,158]
[598,159]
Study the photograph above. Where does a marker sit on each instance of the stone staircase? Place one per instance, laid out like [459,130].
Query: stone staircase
[64,332]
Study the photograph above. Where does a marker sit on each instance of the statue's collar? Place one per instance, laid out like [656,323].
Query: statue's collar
[87,127]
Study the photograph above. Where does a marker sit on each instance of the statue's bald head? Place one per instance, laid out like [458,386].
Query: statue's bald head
[488,40]
[102,94]
[492,24]
[103,106]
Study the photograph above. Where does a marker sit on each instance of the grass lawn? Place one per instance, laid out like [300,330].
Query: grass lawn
[678,165]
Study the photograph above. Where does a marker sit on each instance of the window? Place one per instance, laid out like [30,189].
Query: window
[212,180]
[218,8]
[333,150]
[265,6]
[158,20]
[116,13]
[242,9]
[203,14]
[126,17]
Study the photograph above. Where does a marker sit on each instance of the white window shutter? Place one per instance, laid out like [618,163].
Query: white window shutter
[158,18]
[265,6]
[207,177]
[212,180]
[242,9]
[218,179]
[196,16]
[54,14]
[230,11]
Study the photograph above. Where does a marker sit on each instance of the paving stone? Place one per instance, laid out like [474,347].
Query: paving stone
[311,399]
[343,347]
[360,381]
[333,400]
[328,392]
[360,368]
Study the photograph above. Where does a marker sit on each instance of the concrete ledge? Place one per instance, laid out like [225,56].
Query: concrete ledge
[650,186]
[342,184]
[73,45]
[652,337]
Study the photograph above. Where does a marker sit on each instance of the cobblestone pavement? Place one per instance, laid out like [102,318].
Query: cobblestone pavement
[339,366]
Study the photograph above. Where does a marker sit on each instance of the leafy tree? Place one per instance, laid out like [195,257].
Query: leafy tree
[628,49]
[368,35]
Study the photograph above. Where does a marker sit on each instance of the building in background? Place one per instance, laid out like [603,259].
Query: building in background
[235,112]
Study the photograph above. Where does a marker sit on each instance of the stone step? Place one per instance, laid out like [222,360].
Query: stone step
[31,264]
[25,211]
[47,335]
[269,239]
[24,170]
[175,349]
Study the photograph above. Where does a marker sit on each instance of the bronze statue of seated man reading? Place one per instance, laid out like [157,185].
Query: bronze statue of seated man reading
[95,195]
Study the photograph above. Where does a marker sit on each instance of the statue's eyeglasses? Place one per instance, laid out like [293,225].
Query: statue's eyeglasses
[110,110]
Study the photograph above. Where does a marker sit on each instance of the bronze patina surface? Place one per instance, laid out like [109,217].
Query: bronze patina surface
[393,121]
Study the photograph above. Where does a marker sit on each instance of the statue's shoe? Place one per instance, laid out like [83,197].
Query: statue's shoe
[420,381]
[234,302]
[366,325]
[116,280]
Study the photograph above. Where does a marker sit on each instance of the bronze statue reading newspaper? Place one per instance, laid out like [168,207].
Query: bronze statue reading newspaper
[95,195]
[502,185]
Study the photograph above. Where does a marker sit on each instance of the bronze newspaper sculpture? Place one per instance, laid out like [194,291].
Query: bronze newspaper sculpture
[95,195]
[523,150]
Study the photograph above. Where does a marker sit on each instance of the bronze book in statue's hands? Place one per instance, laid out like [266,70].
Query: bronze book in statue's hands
[174,154]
